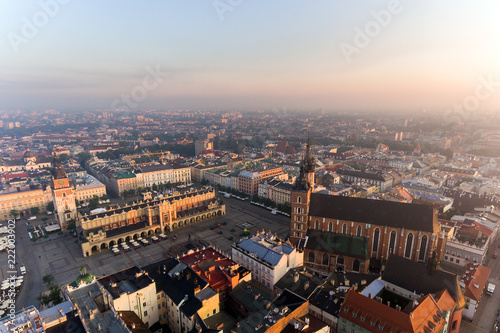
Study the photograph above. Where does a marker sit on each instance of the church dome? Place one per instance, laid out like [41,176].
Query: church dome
[28,154]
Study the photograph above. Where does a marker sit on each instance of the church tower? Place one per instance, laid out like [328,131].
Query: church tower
[63,194]
[301,195]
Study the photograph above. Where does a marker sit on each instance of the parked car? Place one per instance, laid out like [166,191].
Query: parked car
[23,269]
[490,289]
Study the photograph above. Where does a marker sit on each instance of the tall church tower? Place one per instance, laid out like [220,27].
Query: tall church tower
[63,194]
[301,195]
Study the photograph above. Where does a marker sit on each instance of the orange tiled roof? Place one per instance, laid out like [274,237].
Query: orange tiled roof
[475,278]
[426,315]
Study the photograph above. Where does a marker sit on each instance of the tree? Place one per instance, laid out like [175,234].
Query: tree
[55,294]
[204,182]
[71,224]
[48,279]
[104,197]
[34,210]
[53,297]
[14,213]
[94,203]
[44,300]
[50,206]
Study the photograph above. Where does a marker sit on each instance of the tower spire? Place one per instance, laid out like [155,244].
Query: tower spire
[306,177]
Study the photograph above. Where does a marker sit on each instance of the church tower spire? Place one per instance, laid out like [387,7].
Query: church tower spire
[305,181]
[301,195]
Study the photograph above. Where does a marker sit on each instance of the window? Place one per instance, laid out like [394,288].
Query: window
[299,199]
[392,241]
[145,313]
[344,228]
[409,245]
[330,226]
[340,260]
[445,257]
[358,231]
[376,235]
[457,261]
[423,249]
[325,259]
[311,257]
[355,265]
[144,304]
[316,224]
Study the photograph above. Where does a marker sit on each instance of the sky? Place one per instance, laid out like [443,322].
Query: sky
[403,55]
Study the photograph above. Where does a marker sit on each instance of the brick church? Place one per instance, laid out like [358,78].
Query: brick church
[354,234]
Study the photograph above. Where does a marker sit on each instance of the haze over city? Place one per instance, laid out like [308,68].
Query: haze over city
[332,55]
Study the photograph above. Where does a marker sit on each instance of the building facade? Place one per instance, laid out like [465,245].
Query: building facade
[102,230]
[266,257]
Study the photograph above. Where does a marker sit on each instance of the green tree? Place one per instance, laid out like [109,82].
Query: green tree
[50,206]
[48,279]
[94,203]
[55,294]
[34,210]
[204,182]
[14,213]
[44,300]
[71,224]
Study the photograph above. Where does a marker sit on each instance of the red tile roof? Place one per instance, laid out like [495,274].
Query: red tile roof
[370,314]
[475,279]
[211,265]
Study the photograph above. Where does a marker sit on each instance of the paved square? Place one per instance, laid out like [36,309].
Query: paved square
[63,258]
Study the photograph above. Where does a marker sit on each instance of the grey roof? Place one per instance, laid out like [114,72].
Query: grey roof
[126,281]
[268,255]
[413,276]
[177,286]
[53,313]
[379,212]
[299,280]
[85,298]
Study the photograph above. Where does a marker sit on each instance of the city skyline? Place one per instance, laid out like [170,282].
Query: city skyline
[380,56]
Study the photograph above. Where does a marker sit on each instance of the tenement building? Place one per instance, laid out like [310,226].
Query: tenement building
[101,230]
[352,234]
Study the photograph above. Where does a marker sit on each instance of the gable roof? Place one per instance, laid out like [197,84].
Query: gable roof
[385,213]
[475,279]
[425,315]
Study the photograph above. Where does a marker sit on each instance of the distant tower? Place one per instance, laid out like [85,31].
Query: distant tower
[63,194]
[301,195]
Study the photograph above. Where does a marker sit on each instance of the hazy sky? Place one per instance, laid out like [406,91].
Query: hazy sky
[235,54]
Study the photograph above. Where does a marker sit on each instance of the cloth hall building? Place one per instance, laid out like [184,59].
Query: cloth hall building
[102,230]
